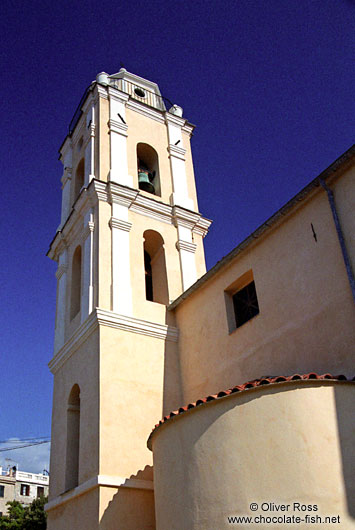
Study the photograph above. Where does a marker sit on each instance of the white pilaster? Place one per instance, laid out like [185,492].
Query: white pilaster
[61,274]
[66,184]
[118,138]
[90,142]
[88,267]
[121,270]
[186,250]
[177,162]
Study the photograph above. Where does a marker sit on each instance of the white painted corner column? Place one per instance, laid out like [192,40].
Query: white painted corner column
[87,294]
[90,145]
[187,250]
[177,162]
[118,138]
[66,185]
[61,275]
[121,270]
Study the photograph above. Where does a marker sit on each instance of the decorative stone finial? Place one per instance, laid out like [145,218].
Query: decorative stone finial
[102,78]
[176,110]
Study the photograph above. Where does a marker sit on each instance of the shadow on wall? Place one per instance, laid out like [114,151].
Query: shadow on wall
[346,432]
[172,385]
[131,508]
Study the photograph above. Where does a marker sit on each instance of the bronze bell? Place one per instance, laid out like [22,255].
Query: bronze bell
[145,181]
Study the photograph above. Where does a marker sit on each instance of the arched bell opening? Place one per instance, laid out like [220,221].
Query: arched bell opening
[148,169]
[79,178]
[156,282]
[75,294]
[73,439]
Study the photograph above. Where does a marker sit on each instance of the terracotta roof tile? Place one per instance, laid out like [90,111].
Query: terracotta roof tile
[269,380]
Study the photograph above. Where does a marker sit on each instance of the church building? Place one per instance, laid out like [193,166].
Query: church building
[245,371]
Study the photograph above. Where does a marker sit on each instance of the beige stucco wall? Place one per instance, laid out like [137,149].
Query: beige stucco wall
[286,443]
[131,399]
[82,512]
[9,492]
[127,509]
[306,319]
[82,369]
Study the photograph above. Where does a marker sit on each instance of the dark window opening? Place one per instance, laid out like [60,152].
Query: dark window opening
[25,490]
[156,281]
[73,439]
[148,169]
[2,491]
[148,277]
[139,92]
[40,491]
[79,178]
[75,296]
[245,303]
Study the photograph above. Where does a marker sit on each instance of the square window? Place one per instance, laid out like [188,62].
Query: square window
[241,301]
[245,304]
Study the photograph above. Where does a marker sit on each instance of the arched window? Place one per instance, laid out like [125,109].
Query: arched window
[148,169]
[79,178]
[156,284]
[75,294]
[73,439]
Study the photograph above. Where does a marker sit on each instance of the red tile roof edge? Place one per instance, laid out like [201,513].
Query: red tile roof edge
[247,386]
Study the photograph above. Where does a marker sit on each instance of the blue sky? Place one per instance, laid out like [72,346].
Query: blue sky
[270,86]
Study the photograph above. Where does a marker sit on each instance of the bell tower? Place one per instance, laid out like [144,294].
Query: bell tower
[129,242]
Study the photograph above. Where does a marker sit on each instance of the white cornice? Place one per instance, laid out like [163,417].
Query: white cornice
[60,271]
[176,120]
[104,317]
[121,225]
[188,128]
[100,92]
[67,175]
[70,347]
[119,194]
[186,245]
[113,192]
[193,221]
[107,481]
[118,127]
[178,152]
[145,111]
[136,325]
[116,94]
[98,188]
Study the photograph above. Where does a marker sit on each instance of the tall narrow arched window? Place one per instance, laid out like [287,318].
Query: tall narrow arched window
[148,169]
[156,283]
[75,295]
[73,439]
[79,178]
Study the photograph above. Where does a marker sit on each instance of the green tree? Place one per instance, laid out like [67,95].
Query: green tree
[35,517]
[14,519]
[32,517]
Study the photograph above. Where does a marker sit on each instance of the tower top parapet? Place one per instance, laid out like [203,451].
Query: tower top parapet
[140,89]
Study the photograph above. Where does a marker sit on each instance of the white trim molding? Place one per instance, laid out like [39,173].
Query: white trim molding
[121,225]
[61,270]
[136,325]
[118,127]
[104,317]
[106,481]
[185,245]
[145,110]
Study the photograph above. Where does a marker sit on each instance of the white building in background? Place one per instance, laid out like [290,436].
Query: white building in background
[21,486]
